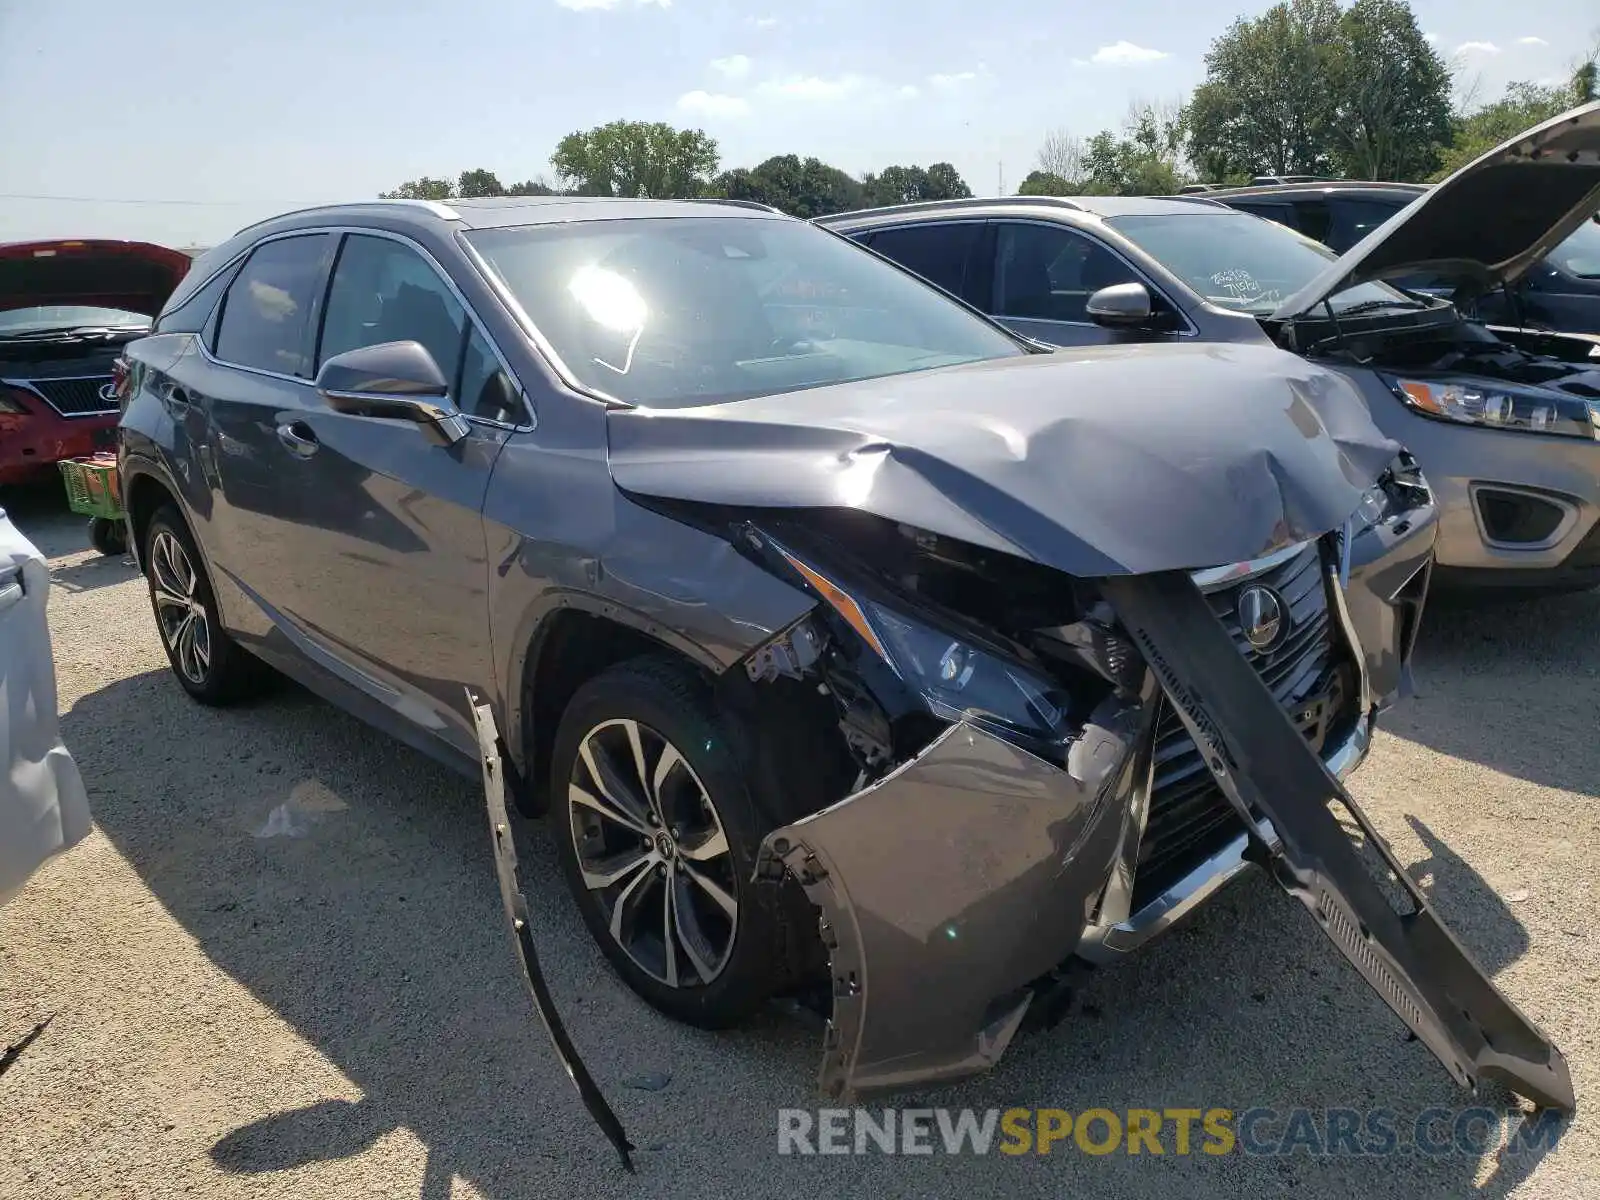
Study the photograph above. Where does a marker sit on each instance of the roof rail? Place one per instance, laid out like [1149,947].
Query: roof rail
[962,202]
[437,207]
[729,200]
[1201,198]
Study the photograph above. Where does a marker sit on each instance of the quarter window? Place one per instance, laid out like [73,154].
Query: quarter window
[1048,273]
[265,314]
[485,390]
[384,291]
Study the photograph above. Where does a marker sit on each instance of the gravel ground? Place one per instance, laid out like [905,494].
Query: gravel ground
[338,1014]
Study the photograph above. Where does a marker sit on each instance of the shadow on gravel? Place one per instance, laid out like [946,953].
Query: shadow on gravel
[1541,730]
[372,927]
[91,573]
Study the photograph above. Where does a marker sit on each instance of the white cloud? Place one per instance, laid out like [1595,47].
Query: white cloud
[735,66]
[607,5]
[954,79]
[824,89]
[1123,54]
[909,91]
[1477,48]
[1431,38]
[814,87]
[713,104]
[1532,41]
[762,22]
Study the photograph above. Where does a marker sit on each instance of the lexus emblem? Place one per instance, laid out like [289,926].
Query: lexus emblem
[108,392]
[1263,616]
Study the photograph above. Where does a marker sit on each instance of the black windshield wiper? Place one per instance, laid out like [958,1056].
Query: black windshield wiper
[73,333]
[1366,306]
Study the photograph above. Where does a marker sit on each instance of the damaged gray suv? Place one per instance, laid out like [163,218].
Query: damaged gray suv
[845,636]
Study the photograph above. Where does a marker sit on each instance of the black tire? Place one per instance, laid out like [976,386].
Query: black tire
[767,952]
[210,666]
[108,537]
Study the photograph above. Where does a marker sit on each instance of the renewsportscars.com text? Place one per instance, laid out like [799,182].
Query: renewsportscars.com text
[1376,1132]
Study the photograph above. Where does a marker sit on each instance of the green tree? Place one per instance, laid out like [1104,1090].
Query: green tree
[531,187]
[803,188]
[1145,159]
[1264,107]
[637,159]
[907,185]
[1046,183]
[1390,89]
[422,189]
[479,183]
[1310,88]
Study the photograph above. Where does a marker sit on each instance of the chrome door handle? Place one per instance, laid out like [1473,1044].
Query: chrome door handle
[298,438]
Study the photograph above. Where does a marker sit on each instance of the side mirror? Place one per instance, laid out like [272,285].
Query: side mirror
[1120,306]
[398,381]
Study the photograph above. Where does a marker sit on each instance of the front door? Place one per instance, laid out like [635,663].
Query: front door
[1044,275]
[392,575]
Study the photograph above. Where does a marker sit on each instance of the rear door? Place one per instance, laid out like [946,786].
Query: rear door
[392,575]
[253,378]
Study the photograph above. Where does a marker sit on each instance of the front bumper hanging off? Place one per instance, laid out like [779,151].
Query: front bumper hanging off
[967,874]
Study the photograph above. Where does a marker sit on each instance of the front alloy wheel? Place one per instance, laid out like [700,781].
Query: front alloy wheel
[650,847]
[657,829]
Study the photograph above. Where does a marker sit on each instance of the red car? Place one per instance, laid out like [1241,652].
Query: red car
[66,310]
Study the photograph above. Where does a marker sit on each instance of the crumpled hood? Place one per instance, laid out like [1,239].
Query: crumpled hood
[1104,461]
[1489,222]
[137,276]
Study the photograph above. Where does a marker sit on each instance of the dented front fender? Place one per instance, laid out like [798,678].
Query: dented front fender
[949,886]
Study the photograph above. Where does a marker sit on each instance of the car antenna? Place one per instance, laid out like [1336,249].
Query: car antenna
[516,907]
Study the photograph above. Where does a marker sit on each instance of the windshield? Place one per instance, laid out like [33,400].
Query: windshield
[1580,254]
[1242,262]
[65,316]
[678,311]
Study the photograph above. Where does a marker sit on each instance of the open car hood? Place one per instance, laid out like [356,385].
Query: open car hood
[1489,222]
[136,276]
[1107,461]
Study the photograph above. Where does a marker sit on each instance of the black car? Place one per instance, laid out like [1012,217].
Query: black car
[1559,293]
[848,638]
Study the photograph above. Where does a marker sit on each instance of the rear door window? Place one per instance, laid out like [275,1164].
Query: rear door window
[266,316]
[1048,272]
[1354,219]
[939,252]
[1283,214]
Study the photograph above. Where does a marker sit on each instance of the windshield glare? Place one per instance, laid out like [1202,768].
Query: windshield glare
[1580,254]
[65,316]
[679,311]
[1241,262]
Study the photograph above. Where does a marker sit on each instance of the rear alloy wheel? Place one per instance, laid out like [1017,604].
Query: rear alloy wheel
[208,663]
[657,835]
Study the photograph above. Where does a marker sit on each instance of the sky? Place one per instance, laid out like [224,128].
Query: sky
[181,121]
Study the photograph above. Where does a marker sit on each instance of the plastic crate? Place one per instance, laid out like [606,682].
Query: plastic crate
[94,487]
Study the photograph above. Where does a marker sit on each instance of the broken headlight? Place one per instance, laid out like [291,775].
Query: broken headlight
[960,682]
[955,679]
[1499,406]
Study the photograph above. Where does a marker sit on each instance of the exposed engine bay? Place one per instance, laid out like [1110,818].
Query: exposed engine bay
[1438,340]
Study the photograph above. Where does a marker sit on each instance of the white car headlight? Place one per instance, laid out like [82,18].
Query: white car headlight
[1499,406]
